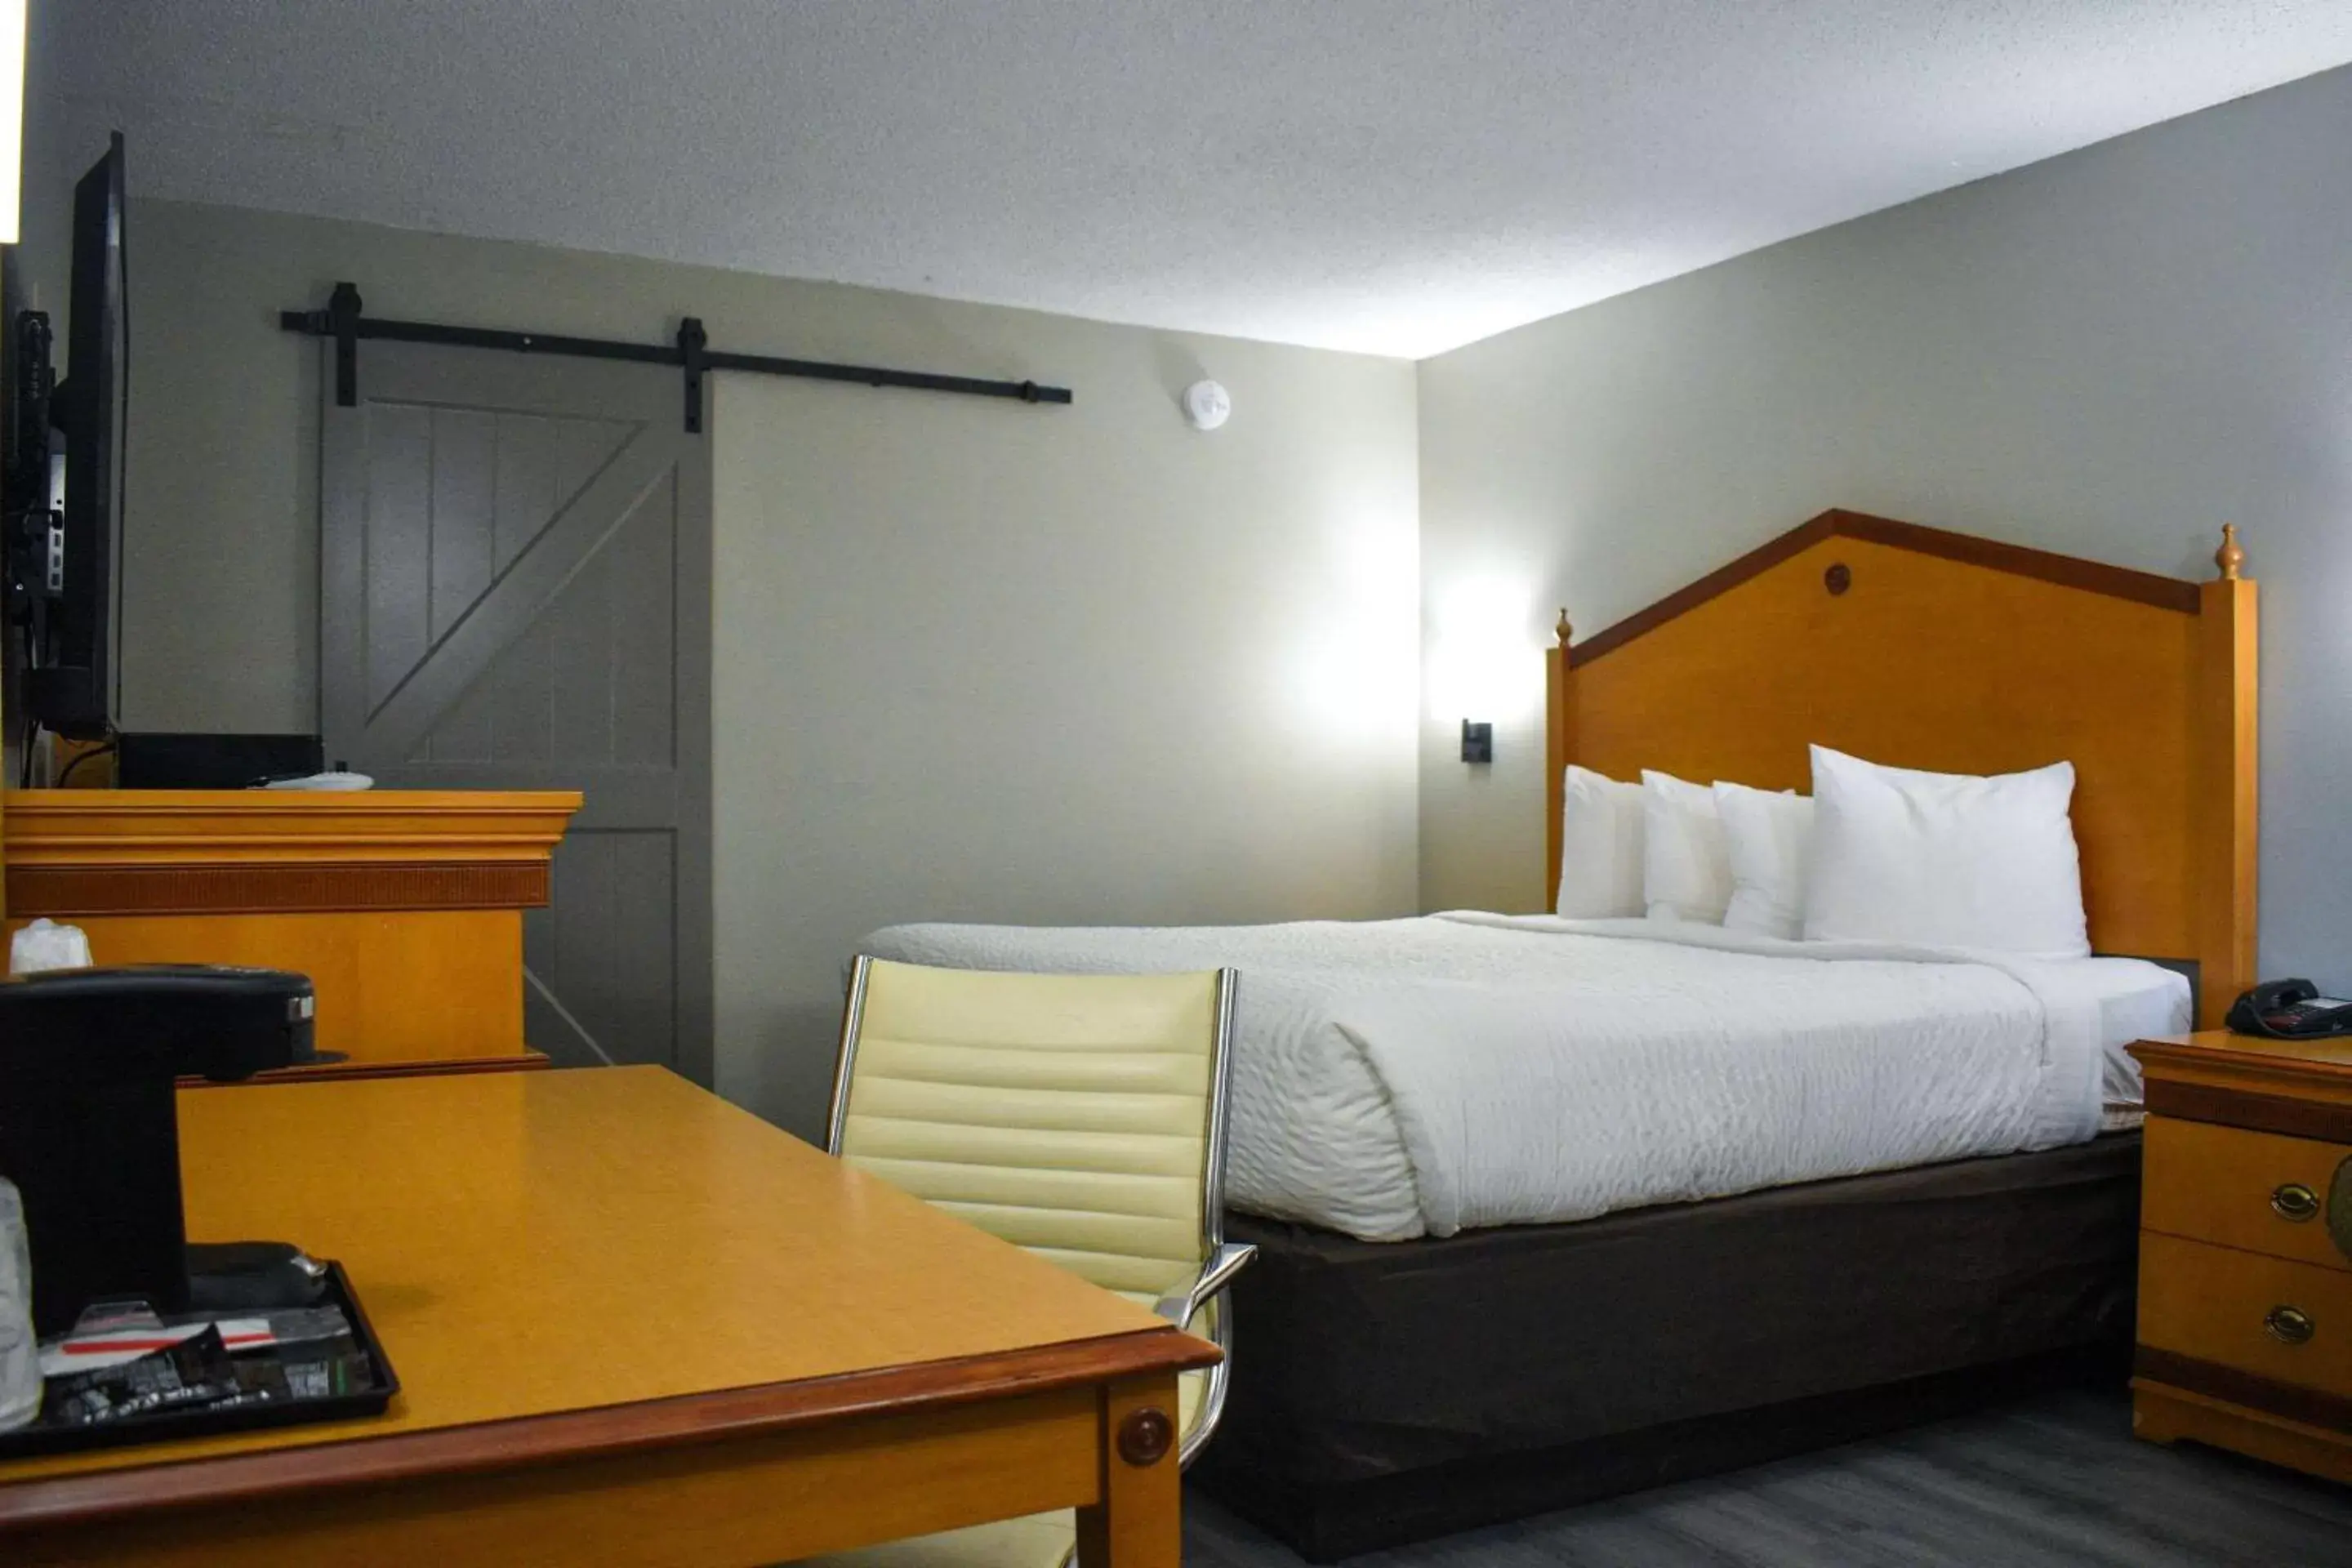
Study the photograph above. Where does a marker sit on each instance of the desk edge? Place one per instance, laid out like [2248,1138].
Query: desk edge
[48,1502]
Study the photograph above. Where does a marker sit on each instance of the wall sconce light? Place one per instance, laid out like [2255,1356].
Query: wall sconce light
[1481,661]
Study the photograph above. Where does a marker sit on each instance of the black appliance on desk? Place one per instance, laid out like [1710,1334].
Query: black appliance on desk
[89,1130]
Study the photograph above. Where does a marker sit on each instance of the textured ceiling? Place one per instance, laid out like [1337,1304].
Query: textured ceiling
[1392,176]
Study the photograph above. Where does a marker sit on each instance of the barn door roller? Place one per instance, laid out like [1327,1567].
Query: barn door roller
[690,351]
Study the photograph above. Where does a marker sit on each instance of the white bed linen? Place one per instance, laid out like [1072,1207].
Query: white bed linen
[1395,1079]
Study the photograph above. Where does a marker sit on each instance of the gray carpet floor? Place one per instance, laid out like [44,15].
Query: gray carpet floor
[2057,1480]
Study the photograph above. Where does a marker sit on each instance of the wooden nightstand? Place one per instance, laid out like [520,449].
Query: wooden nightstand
[2245,1261]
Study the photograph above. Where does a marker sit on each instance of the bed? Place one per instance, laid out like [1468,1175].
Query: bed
[1548,1209]
[1395,1080]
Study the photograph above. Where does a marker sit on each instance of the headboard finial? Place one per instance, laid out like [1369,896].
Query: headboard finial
[1560,631]
[2230,558]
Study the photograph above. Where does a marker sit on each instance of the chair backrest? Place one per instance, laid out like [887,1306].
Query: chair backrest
[1079,1116]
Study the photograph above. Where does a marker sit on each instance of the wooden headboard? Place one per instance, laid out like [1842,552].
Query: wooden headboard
[1925,648]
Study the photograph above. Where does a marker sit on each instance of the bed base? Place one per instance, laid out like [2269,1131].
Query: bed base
[1388,1393]
[1328,1524]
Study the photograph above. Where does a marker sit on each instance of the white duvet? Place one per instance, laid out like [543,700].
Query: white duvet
[1395,1079]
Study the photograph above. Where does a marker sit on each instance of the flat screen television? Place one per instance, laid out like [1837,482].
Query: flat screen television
[69,672]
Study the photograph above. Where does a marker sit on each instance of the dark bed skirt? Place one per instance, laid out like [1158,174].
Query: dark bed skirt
[1384,1392]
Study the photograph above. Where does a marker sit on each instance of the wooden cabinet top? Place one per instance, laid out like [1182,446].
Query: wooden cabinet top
[104,851]
[2300,1087]
[2211,1050]
[47,825]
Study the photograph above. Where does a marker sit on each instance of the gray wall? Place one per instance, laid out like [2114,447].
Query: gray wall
[60,139]
[973,660]
[2109,355]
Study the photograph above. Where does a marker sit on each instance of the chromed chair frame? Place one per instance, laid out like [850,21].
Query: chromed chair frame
[1222,1259]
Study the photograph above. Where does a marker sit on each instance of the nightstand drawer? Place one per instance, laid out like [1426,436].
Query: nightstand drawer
[2287,1321]
[2258,1191]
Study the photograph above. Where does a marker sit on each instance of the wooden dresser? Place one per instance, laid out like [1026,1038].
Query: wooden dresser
[405,907]
[2245,1264]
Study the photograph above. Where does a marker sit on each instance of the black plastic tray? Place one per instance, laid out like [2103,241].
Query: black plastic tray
[28,1442]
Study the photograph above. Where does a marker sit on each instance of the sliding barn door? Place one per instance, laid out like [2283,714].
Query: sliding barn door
[516,595]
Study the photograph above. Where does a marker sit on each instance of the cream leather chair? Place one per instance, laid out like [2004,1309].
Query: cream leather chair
[1080,1116]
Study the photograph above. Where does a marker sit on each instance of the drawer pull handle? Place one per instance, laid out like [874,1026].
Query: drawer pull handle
[2294,1201]
[2288,1325]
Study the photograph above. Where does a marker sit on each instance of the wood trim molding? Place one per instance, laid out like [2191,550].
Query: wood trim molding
[149,852]
[1720,581]
[266,888]
[2068,571]
[343,1071]
[2175,594]
[113,827]
[2280,1113]
[50,1502]
[2324,1063]
[2309,1406]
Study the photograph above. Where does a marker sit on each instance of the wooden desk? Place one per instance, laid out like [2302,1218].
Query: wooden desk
[327,1072]
[634,1325]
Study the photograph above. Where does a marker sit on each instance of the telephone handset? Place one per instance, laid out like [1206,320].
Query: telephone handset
[2289,1010]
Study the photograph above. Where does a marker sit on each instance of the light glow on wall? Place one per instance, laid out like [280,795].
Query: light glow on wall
[12,115]
[1357,672]
[1486,654]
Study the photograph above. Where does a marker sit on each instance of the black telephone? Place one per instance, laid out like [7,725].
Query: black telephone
[2289,1010]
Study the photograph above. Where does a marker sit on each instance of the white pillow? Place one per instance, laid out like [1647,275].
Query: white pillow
[1768,837]
[1600,848]
[1686,865]
[1946,859]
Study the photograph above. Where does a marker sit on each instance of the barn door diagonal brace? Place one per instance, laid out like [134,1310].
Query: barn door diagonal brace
[690,351]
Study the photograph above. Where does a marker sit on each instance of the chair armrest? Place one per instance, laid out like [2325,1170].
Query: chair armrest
[1230,1259]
